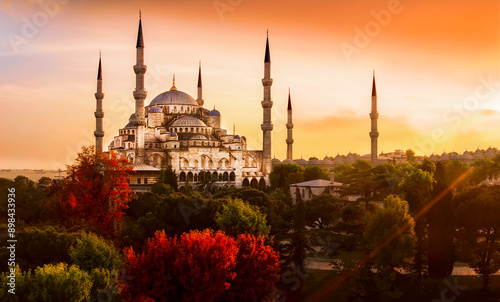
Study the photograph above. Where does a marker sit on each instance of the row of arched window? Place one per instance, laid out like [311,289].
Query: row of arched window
[254,183]
[191,130]
[206,176]
[131,131]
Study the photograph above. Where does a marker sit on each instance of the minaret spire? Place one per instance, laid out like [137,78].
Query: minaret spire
[199,97]
[267,104]
[374,129]
[289,127]
[99,114]
[139,96]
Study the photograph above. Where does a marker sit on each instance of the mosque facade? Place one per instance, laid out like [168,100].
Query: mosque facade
[174,129]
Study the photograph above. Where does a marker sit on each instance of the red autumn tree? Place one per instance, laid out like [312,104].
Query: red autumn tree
[97,189]
[153,271]
[207,266]
[201,266]
[257,270]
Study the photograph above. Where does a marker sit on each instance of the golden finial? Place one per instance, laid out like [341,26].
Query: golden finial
[173,84]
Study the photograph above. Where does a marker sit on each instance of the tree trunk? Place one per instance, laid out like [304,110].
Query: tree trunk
[486,280]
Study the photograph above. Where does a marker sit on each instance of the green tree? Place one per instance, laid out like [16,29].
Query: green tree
[315,172]
[284,174]
[322,211]
[52,282]
[390,237]
[299,245]
[441,229]
[168,177]
[417,186]
[410,155]
[39,246]
[237,217]
[478,212]
[91,251]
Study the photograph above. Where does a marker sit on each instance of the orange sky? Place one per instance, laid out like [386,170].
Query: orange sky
[437,65]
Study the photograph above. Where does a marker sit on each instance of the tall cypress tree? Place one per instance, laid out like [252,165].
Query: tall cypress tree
[300,244]
[440,251]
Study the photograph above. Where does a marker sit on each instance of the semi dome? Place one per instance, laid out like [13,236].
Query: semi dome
[174,97]
[173,134]
[188,121]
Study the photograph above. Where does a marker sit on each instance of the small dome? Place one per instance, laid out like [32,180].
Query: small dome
[244,138]
[174,97]
[276,161]
[466,156]
[236,137]
[490,153]
[288,161]
[214,112]
[131,117]
[155,109]
[301,162]
[173,134]
[444,156]
[314,161]
[188,121]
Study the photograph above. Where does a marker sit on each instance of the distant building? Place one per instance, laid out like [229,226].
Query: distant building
[311,188]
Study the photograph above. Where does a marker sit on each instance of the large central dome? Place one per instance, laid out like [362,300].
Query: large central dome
[173,97]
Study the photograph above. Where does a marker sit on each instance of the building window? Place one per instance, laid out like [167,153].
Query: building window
[138,181]
[145,181]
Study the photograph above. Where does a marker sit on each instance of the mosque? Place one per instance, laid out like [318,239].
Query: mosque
[175,130]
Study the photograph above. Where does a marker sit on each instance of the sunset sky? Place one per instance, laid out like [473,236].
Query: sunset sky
[437,67]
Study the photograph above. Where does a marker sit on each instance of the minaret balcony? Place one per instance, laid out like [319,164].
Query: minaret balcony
[289,141]
[289,125]
[267,82]
[374,115]
[140,94]
[99,95]
[266,127]
[140,69]
[267,104]
[99,114]
[98,133]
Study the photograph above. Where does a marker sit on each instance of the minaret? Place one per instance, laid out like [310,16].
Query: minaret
[289,127]
[267,104]
[374,117]
[199,97]
[139,96]
[99,114]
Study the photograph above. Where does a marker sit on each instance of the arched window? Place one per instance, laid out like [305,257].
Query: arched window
[262,183]
[254,183]
[196,178]
[245,183]
[190,177]
[232,176]
[182,177]
[215,176]
[225,176]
